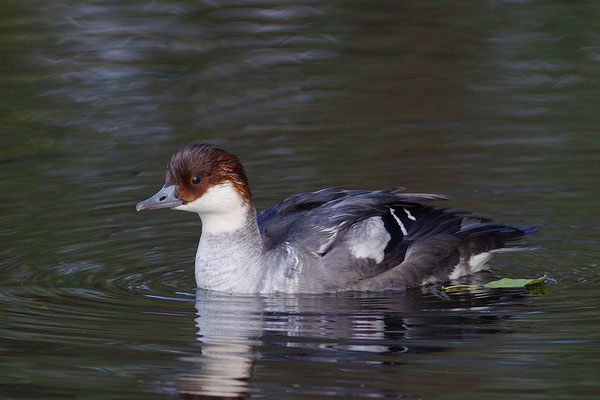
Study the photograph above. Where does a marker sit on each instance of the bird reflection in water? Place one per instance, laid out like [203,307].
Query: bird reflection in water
[345,328]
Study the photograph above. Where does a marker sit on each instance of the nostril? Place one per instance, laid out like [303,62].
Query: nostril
[162,198]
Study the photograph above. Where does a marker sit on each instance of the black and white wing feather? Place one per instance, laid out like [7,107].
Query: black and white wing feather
[314,221]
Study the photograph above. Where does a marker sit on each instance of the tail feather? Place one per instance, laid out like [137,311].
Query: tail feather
[515,248]
[480,241]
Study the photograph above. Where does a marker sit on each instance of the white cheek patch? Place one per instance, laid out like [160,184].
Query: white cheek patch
[369,239]
[221,209]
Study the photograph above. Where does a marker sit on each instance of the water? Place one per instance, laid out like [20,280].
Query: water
[493,103]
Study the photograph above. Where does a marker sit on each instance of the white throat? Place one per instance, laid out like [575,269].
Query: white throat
[221,209]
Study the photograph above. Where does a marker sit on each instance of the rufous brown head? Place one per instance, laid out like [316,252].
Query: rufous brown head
[193,171]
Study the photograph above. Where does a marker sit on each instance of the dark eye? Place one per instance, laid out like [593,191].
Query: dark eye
[196,180]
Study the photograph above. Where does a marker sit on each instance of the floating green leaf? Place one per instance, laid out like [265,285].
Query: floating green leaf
[514,283]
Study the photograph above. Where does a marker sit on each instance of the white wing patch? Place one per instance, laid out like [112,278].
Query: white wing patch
[409,215]
[402,228]
[369,239]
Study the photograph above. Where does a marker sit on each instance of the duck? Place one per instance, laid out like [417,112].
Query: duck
[325,241]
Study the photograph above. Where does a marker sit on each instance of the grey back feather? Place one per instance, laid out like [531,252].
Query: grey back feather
[312,220]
